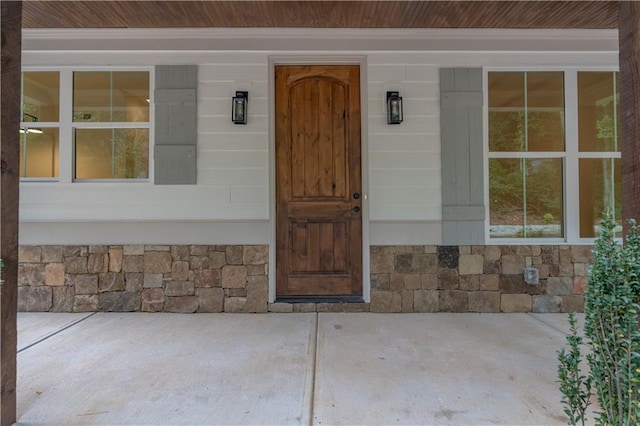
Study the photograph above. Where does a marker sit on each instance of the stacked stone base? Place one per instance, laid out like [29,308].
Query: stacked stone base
[151,278]
[478,278]
[234,278]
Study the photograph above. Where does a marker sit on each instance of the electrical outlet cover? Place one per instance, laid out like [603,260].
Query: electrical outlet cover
[531,275]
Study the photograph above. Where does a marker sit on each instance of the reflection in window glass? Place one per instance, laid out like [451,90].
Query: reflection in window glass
[506,111]
[118,96]
[600,192]
[598,111]
[525,198]
[40,97]
[526,111]
[111,153]
[39,152]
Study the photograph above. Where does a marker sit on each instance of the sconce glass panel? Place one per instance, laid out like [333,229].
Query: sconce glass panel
[239,108]
[394,108]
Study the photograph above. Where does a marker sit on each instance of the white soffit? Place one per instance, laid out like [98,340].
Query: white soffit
[310,39]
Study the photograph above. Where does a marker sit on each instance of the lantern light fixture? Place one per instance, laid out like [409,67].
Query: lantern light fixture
[394,108]
[239,108]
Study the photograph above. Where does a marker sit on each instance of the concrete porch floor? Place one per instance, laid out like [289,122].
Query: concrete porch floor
[324,369]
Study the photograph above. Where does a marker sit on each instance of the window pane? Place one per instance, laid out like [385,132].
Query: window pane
[39,153]
[506,197]
[598,111]
[544,198]
[545,111]
[506,111]
[111,153]
[40,96]
[600,192]
[525,198]
[526,111]
[111,96]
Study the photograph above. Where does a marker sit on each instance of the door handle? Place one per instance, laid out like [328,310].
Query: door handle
[356,209]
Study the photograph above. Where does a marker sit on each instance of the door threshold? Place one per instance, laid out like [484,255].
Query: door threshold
[320,299]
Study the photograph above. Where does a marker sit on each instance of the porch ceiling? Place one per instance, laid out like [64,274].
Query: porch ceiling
[320,14]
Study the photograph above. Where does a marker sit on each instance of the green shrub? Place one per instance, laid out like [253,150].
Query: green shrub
[611,331]
[575,387]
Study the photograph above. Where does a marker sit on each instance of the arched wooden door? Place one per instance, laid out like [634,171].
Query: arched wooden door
[318,181]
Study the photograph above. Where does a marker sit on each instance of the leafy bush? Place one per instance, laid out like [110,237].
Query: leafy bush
[575,387]
[611,330]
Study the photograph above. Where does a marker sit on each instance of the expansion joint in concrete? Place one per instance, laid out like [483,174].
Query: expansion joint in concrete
[314,338]
[53,333]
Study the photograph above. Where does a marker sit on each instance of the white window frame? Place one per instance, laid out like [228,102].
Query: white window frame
[66,125]
[570,156]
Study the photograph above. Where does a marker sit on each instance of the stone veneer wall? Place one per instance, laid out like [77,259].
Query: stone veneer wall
[178,278]
[151,278]
[478,278]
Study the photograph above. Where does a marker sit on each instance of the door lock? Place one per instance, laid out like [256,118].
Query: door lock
[356,195]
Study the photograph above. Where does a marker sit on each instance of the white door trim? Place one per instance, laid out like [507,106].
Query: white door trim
[364,146]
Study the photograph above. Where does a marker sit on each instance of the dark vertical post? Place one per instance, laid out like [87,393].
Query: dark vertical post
[629,40]
[10,57]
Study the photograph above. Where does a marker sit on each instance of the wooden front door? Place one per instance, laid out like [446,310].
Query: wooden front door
[318,181]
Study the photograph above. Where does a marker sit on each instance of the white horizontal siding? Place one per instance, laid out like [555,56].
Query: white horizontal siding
[225,89]
[236,176]
[216,72]
[404,177]
[133,202]
[222,106]
[401,212]
[214,124]
[245,141]
[221,159]
[145,232]
[402,162]
[403,157]
[410,89]
[421,142]
[231,154]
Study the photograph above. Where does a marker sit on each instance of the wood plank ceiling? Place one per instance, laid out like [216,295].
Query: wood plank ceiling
[320,14]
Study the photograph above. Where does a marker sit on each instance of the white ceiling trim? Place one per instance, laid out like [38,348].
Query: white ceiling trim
[312,39]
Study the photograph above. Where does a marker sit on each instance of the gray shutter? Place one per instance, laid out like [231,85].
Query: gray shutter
[462,161]
[176,115]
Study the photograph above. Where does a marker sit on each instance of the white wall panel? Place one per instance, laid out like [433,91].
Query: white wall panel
[234,142]
[420,142]
[222,106]
[415,89]
[233,160]
[409,232]
[400,177]
[146,232]
[226,89]
[238,176]
[387,72]
[232,72]
[402,212]
[423,72]
[413,105]
[223,124]
[404,160]
[257,194]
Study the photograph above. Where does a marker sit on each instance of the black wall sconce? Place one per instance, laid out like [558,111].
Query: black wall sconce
[239,108]
[394,108]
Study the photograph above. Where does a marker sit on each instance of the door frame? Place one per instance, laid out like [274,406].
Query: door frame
[361,61]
